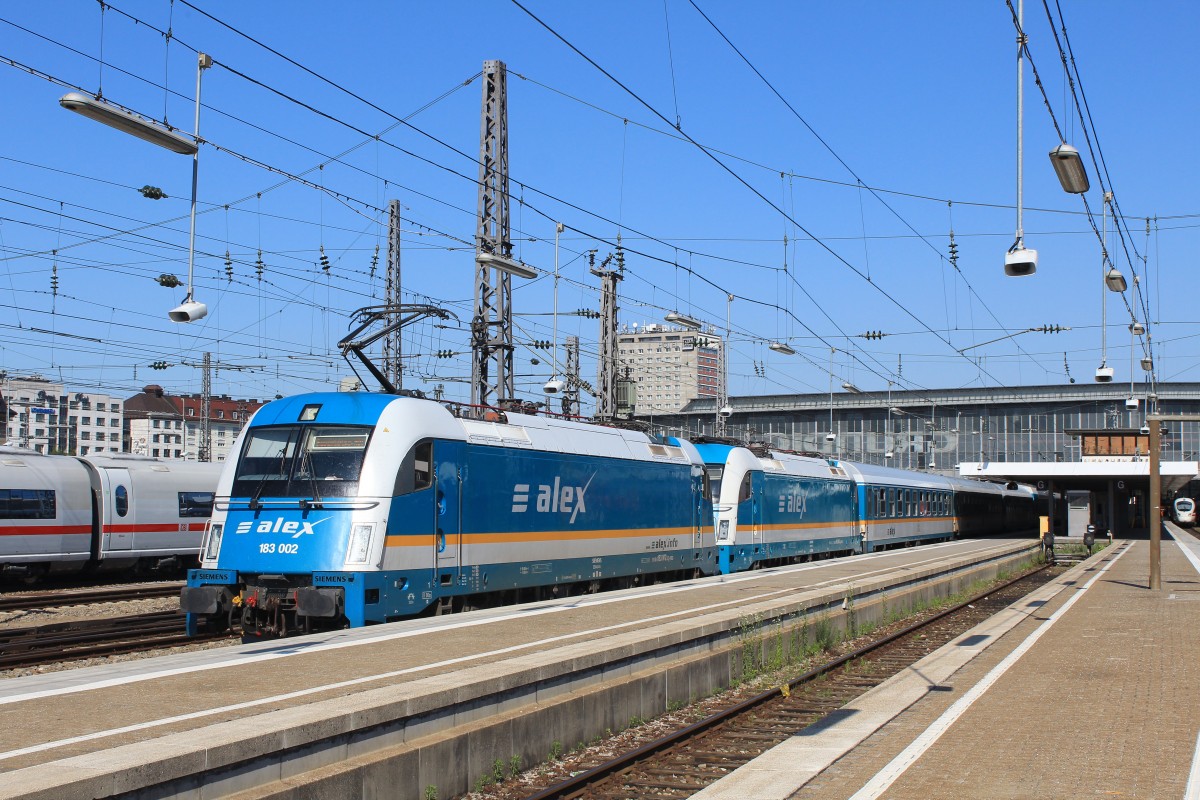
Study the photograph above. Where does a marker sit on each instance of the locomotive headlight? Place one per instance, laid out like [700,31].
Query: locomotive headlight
[360,543]
[212,544]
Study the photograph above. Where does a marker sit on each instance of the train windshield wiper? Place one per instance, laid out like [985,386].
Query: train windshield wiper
[307,466]
[255,502]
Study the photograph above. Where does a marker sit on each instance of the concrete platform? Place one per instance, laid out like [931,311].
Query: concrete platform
[393,710]
[1089,687]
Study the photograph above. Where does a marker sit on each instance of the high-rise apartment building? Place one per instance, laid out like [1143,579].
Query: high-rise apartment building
[670,366]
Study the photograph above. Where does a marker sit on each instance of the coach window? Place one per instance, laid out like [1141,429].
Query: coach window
[122,500]
[891,502]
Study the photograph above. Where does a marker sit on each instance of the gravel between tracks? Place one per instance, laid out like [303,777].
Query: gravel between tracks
[49,616]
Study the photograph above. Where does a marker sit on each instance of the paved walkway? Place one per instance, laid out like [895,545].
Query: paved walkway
[1089,688]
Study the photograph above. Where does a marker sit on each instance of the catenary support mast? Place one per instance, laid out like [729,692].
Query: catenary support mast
[491,326]
[392,344]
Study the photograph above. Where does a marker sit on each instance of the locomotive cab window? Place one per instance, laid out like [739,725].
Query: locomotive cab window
[416,471]
[744,490]
[715,473]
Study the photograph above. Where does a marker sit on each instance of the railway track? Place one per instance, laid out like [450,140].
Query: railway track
[70,641]
[685,761]
[37,600]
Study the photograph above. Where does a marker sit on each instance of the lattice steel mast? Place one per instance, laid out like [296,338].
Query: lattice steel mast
[392,345]
[491,327]
[606,385]
[570,398]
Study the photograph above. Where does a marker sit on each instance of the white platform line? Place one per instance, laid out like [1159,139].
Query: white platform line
[884,779]
[1187,543]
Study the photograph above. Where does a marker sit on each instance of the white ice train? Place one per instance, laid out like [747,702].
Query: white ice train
[1185,511]
[70,514]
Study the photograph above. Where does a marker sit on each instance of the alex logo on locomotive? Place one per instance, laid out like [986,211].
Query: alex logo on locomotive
[552,498]
[294,528]
[794,501]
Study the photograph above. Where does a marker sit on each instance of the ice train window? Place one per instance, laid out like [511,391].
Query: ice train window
[195,504]
[27,504]
[121,495]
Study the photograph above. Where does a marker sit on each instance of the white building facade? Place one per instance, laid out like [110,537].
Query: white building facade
[670,366]
[47,417]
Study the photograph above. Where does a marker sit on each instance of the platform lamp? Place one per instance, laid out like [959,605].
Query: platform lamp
[1068,166]
[555,384]
[1114,281]
[1019,260]
[123,120]
[683,320]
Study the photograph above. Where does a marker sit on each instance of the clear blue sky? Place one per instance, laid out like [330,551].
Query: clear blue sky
[916,100]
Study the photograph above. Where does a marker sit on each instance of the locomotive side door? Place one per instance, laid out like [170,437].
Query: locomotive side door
[447,485]
[756,481]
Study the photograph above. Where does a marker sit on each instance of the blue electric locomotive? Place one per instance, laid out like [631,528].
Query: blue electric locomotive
[778,507]
[355,508]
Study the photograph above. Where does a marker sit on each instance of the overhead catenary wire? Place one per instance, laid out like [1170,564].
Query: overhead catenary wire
[451,227]
[838,257]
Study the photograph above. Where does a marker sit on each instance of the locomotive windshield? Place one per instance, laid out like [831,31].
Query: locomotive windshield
[302,461]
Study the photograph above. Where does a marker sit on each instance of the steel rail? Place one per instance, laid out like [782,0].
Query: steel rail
[574,787]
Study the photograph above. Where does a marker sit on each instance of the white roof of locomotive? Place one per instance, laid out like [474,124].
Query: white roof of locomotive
[805,466]
[416,419]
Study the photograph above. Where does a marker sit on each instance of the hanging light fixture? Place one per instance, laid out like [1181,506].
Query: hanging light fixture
[782,347]
[506,265]
[1114,280]
[1068,166]
[1019,261]
[675,318]
[116,117]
